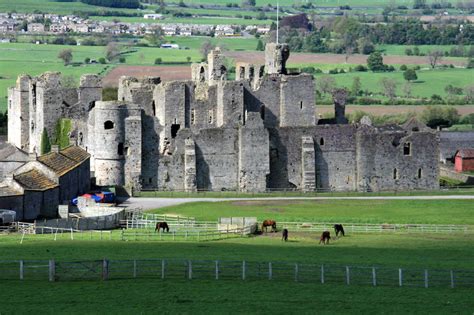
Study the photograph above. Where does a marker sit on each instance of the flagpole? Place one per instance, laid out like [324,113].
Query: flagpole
[278,20]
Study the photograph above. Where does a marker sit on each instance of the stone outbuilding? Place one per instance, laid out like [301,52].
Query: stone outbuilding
[464,160]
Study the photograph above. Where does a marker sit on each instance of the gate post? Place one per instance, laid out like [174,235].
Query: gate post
[217,270]
[452,278]
[426,278]
[52,270]
[243,270]
[322,274]
[105,269]
[190,270]
[374,277]
[163,264]
[22,269]
[270,273]
[296,272]
[348,276]
[400,277]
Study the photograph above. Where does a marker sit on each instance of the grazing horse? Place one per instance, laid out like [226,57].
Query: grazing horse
[284,235]
[325,237]
[268,223]
[338,228]
[162,225]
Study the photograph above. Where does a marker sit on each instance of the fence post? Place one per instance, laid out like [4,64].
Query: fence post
[105,269]
[452,278]
[122,235]
[296,272]
[72,235]
[22,269]
[400,277]
[52,270]
[270,271]
[348,276]
[374,277]
[322,274]
[217,270]
[190,270]
[426,278]
[243,270]
[163,264]
[134,268]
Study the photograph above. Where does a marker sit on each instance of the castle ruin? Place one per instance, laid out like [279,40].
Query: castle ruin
[254,133]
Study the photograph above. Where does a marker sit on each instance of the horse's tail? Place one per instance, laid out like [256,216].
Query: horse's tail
[342,230]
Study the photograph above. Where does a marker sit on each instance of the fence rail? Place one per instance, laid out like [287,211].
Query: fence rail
[180,269]
[380,228]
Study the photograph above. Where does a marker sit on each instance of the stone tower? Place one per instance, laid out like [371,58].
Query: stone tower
[18,113]
[276,56]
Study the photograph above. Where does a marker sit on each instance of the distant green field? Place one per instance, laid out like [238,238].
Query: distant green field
[213,20]
[429,81]
[234,43]
[50,6]
[363,211]
[424,49]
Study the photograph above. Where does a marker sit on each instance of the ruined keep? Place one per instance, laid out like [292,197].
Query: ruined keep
[254,133]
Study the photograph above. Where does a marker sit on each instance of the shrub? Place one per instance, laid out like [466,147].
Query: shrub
[360,68]
[122,60]
[158,61]
[403,67]
[87,60]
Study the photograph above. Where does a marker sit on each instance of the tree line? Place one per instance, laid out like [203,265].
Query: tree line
[129,4]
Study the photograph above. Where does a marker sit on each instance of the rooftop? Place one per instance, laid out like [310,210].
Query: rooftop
[34,180]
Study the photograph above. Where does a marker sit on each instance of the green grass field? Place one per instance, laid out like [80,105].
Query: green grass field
[392,250]
[429,81]
[50,6]
[424,49]
[363,211]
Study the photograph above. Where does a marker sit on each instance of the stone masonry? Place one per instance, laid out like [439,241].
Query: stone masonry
[254,133]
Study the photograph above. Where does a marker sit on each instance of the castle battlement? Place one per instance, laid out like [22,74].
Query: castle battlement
[253,133]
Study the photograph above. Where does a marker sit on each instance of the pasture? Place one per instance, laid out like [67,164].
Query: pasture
[391,250]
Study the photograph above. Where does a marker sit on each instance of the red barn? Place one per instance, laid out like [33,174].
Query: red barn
[464,160]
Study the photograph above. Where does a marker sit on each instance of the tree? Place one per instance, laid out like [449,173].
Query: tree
[250,3]
[407,89]
[206,47]
[188,59]
[389,87]
[375,62]
[326,84]
[469,91]
[45,146]
[410,75]
[434,57]
[365,46]
[260,46]
[356,86]
[419,4]
[66,56]
[158,61]
[435,117]
[112,51]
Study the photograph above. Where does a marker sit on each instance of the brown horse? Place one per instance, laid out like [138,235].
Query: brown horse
[162,225]
[268,223]
[325,237]
[284,235]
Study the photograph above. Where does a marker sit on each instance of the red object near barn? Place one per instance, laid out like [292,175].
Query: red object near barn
[464,160]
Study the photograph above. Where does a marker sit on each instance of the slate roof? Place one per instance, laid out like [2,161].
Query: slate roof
[466,153]
[35,180]
[64,161]
[75,153]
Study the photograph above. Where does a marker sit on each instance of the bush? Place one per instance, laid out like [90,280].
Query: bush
[122,60]
[333,71]
[158,61]
[408,52]
[87,60]
[368,101]
[310,70]
[470,64]
[360,68]
[403,67]
[102,60]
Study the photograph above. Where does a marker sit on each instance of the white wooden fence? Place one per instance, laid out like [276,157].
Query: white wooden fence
[378,228]
[234,270]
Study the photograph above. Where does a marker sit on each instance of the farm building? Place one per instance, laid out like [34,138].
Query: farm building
[464,160]
[36,188]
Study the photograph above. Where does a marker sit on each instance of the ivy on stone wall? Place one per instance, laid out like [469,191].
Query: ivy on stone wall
[45,142]
[61,133]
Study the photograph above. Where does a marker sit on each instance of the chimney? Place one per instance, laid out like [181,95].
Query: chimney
[32,156]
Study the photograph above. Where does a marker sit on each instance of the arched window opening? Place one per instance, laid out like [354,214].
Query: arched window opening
[108,125]
[153,105]
[202,77]
[407,148]
[321,141]
[395,173]
[120,149]
[262,112]
[420,173]
[174,130]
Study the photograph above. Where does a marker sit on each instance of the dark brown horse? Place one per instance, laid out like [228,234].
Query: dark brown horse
[268,223]
[162,225]
[338,228]
[284,235]
[325,237]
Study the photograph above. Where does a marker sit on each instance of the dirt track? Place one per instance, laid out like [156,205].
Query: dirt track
[389,109]
[258,57]
[166,73]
